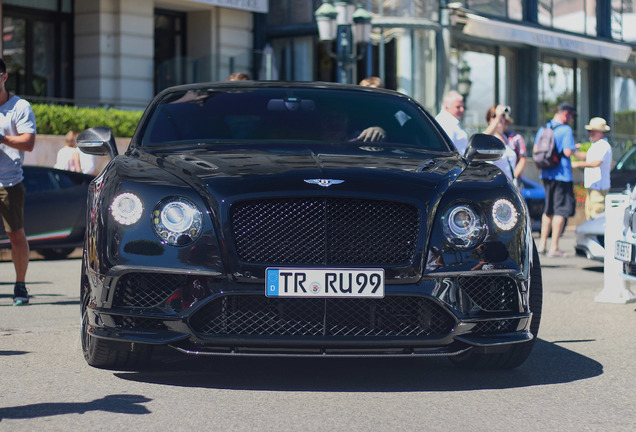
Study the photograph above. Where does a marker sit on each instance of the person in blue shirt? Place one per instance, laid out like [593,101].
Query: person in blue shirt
[560,203]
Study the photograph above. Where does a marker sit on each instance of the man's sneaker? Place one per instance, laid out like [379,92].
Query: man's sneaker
[20,294]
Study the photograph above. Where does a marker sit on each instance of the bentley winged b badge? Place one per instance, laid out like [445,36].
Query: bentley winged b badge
[323,182]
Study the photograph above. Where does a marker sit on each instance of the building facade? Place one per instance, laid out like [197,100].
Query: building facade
[121,52]
[529,54]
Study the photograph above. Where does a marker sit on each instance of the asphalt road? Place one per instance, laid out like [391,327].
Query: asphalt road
[580,377]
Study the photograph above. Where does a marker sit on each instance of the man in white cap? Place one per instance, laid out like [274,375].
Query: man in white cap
[597,162]
[449,117]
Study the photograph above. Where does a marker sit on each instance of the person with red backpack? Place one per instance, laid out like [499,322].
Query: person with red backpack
[556,175]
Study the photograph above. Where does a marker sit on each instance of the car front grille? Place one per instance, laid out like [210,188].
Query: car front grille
[257,315]
[325,231]
[491,293]
[146,289]
[629,269]
[138,323]
[496,327]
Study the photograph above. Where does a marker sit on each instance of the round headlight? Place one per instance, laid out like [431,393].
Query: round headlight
[463,227]
[504,214]
[126,208]
[177,222]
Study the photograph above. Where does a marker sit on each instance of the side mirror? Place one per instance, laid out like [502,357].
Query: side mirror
[98,141]
[483,148]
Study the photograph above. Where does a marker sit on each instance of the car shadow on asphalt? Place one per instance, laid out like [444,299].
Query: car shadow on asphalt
[597,269]
[12,353]
[121,403]
[549,363]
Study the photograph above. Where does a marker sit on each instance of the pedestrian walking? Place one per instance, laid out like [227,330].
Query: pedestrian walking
[518,146]
[559,189]
[514,158]
[17,135]
[449,119]
[597,164]
[68,156]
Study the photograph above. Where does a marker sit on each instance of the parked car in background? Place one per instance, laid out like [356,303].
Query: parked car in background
[590,238]
[625,247]
[54,211]
[624,173]
[590,235]
[304,219]
[534,195]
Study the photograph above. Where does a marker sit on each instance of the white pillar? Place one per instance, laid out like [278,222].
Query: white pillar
[114,51]
[615,283]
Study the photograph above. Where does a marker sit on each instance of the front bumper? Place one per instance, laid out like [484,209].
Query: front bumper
[208,314]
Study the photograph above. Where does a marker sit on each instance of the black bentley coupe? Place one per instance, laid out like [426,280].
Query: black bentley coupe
[304,219]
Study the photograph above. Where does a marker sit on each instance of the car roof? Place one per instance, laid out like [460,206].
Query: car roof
[246,84]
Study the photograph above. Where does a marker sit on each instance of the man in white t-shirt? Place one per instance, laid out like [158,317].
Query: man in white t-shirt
[17,135]
[597,164]
[448,118]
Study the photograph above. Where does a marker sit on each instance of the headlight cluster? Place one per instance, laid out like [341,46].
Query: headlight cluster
[176,221]
[465,227]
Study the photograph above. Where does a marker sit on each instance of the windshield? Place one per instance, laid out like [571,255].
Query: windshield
[289,115]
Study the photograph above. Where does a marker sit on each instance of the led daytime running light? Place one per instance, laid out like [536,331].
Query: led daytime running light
[126,208]
[504,214]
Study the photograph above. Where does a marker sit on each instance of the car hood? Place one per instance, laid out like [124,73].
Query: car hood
[232,172]
[227,177]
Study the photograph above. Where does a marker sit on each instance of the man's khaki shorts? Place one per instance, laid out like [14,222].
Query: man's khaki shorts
[12,207]
[594,203]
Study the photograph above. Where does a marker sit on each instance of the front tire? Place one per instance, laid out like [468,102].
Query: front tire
[515,354]
[106,354]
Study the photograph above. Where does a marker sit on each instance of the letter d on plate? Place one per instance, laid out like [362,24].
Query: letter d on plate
[272,282]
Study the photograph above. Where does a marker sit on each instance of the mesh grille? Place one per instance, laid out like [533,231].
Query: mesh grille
[491,293]
[256,315]
[138,323]
[325,231]
[494,327]
[146,289]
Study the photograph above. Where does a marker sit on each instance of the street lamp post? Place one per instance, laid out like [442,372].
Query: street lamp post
[464,83]
[350,28]
[552,78]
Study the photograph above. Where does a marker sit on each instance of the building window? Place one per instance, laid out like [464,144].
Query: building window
[577,16]
[51,5]
[480,74]
[560,81]
[511,9]
[624,107]
[623,17]
[37,48]
[172,67]
[409,8]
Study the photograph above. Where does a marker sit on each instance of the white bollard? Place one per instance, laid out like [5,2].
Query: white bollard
[615,284]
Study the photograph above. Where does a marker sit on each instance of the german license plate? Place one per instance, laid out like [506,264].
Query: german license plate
[332,282]
[623,251]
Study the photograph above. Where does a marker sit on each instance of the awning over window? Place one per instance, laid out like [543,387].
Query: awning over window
[246,5]
[502,31]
